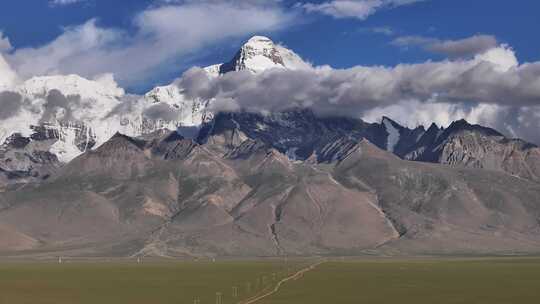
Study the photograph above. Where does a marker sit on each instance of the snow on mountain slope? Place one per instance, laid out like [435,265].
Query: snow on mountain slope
[80,114]
[74,111]
[393,134]
[213,70]
[291,60]
[98,88]
[189,112]
[257,55]
[97,97]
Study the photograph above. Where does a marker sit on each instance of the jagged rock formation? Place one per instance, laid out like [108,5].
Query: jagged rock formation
[471,146]
[25,160]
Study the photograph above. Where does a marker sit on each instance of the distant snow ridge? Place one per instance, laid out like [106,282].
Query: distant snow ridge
[98,108]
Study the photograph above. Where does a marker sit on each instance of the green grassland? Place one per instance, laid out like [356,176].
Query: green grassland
[418,281]
[131,283]
[434,281]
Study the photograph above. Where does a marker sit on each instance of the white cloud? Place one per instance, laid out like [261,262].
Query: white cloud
[64,2]
[503,57]
[163,34]
[71,52]
[360,9]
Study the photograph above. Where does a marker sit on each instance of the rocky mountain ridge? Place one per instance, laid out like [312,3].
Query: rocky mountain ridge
[473,146]
[301,135]
[234,193]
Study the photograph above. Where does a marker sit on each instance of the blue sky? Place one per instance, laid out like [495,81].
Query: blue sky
[320,38]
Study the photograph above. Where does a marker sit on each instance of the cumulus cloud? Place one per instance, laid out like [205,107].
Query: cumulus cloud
[360,9]
[461,48]
[69,53]
[503,57]
[163,34]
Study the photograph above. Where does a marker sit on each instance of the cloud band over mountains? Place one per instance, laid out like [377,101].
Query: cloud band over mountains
[481,89]
[358,89]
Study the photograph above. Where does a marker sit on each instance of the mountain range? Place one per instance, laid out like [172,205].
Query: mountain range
[88,170]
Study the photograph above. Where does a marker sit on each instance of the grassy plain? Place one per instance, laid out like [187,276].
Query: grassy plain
[427,281]
[350,281]
[171,282]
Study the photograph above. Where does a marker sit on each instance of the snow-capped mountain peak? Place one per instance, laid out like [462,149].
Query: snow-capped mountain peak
[256,55]
[259,54]
[84,113]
